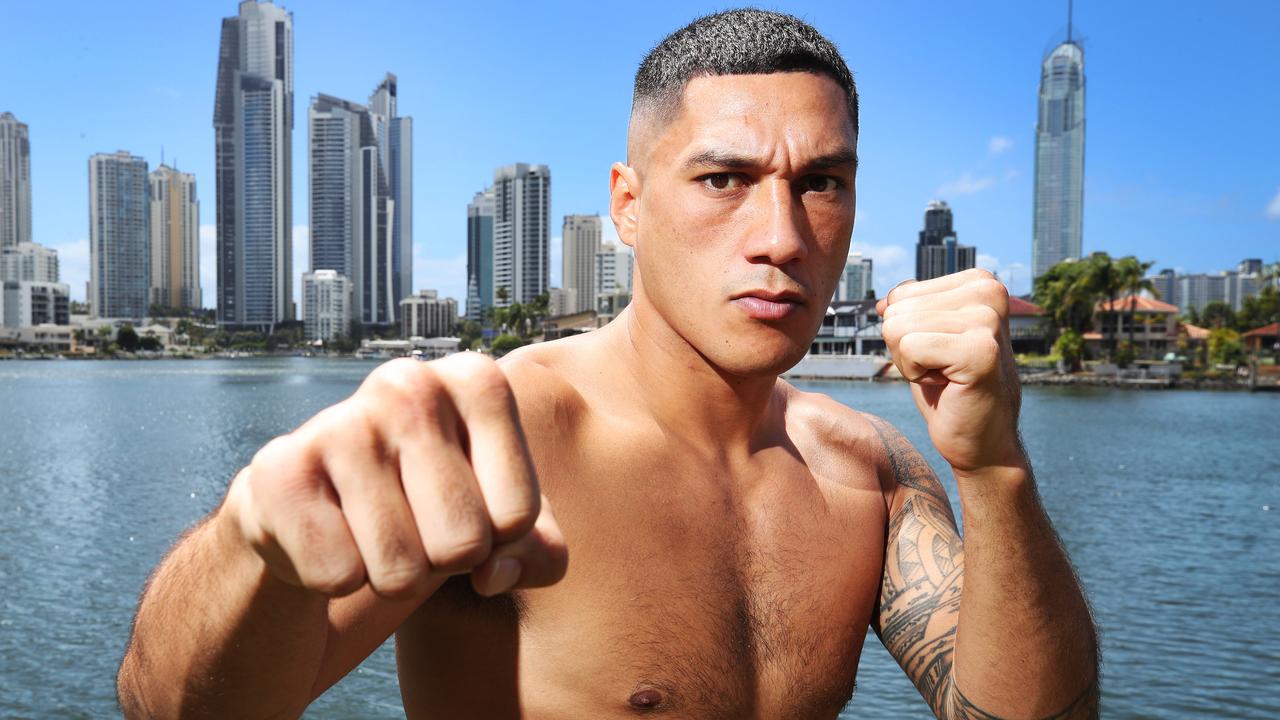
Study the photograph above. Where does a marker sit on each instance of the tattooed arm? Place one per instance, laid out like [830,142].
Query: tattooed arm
[1016,640]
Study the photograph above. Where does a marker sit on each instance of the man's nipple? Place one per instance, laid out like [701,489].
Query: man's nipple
[644,700]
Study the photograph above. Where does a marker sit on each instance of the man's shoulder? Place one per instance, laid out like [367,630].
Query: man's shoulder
[833,436]
[542,377]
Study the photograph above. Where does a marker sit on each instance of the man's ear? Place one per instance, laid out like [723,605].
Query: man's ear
[624,202]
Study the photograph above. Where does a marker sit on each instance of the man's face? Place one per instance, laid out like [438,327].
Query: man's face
[744,216]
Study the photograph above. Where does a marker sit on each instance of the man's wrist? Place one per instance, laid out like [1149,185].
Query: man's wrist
[996,488]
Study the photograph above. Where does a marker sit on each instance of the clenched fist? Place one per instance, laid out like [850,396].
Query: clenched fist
[950,337]
[422,473]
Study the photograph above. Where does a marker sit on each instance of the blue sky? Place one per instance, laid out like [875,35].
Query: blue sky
[1182,156]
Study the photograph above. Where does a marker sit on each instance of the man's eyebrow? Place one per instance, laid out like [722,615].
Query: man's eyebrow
[839,158]
[720,159]
[731,160]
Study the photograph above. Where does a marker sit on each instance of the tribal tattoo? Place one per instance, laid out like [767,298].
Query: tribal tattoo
[921,586]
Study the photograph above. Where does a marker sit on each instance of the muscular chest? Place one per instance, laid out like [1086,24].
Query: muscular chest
[712,594]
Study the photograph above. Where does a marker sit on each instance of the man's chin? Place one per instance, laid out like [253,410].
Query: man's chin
[771,357]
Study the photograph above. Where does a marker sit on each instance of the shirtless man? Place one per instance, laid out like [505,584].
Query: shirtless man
[732,538]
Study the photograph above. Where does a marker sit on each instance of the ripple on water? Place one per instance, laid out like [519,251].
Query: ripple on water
[1158,497]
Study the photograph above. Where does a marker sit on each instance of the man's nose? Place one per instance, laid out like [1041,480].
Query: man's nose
[781,228]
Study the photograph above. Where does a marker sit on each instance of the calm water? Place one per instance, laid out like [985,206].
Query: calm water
[1159,497]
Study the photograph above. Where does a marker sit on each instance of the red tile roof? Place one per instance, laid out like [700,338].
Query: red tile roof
[1195,332]
[1019,307]
[1265,331]
[1140,304]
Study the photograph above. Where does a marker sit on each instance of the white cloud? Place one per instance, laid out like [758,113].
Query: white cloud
[999,144]
[1016,276]
[209,265]
[73,266]
[890,264]
[966,184]
[1273,207]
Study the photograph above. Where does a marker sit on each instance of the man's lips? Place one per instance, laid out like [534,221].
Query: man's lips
[766,305]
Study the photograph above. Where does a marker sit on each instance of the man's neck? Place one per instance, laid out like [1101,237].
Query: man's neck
[685,393]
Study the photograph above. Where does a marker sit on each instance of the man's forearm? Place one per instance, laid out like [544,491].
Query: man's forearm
[216,635]
[1025,640]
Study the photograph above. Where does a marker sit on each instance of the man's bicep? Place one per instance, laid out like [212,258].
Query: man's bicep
[923,571]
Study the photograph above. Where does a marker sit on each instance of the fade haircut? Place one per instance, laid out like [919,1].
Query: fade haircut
[747,41]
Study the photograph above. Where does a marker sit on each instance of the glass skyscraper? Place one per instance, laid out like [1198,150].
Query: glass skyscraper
[395,149]
[253,127]
[119,236]
[1059,190]
[15,182]
[480,254]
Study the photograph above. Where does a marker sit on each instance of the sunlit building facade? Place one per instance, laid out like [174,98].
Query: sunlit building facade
[1059,188]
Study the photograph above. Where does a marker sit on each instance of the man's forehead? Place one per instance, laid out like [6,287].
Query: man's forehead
[745,115]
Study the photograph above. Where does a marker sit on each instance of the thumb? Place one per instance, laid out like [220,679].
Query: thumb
[537,559]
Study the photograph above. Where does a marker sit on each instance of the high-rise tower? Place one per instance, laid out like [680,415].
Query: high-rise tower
[175,239]
[1059,192]
[15,182]
[581,241]
[480,254]
[522,207]
[395,149]
[938,251]
[119,236]
[351,212]
[253,126]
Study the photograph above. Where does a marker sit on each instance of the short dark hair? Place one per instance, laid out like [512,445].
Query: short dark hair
[746,41]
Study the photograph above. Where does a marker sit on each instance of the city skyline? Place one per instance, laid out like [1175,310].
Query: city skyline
[1200,207]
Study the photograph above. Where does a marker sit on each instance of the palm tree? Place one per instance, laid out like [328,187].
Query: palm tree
[1132,274]
[1065,296]
[1103,281]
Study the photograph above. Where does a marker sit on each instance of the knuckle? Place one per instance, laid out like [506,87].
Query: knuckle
[400,580]
[336,578]
[890,331]
[516,516]
[462,550]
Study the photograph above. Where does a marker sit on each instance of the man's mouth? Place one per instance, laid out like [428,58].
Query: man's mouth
[768,305]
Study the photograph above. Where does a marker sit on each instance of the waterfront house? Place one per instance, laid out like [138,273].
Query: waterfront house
[1153,324]
[1262,339]
[1027,327]
[849,328]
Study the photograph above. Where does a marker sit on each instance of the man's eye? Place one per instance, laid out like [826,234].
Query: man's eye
[721,181]
[821,183]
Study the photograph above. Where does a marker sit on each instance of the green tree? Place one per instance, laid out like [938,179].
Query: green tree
[1070,346]
[1225,347]
[1259,310]
[504,344]
[150,343]
[127,338]
[1217,314]
[468,332]
[1066,297]
[1133,281]
[1103,281]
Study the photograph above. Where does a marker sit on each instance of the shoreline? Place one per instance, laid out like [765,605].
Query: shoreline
[889,375]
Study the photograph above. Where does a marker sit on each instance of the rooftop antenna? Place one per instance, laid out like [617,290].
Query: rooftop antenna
[1069,3]
[162,154]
